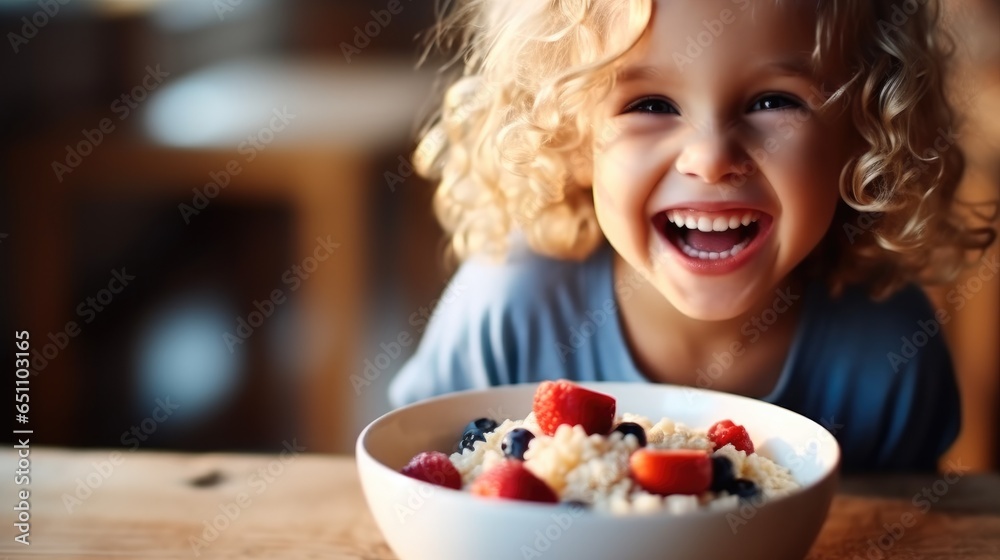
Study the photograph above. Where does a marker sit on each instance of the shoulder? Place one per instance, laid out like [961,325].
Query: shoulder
[885,369]
[494,322]
[897,329]
[909,304]
[526,279]
[526,292]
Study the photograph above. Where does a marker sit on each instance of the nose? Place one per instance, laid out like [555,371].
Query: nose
[711,156]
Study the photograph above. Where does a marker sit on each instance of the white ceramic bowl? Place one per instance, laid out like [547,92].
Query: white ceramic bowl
[425,522]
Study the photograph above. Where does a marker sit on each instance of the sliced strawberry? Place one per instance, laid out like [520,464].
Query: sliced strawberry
[510,480]
[434,467]
[672,471]
[563,402]
[724,432]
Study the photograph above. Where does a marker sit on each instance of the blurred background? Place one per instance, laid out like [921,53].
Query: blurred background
[210,227]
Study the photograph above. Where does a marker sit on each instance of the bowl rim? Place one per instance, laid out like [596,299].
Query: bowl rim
[828,476]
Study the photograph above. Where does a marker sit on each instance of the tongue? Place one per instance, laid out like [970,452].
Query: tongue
[713,241]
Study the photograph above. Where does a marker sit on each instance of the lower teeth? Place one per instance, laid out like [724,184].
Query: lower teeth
[712,256]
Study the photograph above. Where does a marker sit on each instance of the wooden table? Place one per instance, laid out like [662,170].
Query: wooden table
[160,505]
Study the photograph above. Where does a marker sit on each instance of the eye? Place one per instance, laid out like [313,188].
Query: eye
[775,102]
[655,105]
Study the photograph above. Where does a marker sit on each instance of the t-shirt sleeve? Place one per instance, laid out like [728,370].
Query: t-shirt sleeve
[468,341]
[925,415]
[880,377]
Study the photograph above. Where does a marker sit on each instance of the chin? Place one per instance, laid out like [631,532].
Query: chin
[705,306]
[713,314]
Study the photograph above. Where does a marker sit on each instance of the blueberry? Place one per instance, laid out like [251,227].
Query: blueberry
[636,430]
[485,425]
[722,473]
[515,443]
[469,439]
[476,431]
[743,488]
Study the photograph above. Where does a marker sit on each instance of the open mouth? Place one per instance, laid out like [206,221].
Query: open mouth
[712,236]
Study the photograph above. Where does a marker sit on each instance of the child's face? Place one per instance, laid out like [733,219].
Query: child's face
[713,125]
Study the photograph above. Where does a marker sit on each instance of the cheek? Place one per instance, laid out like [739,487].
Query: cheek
[603,189]
[608,207]
[813,155]
[611,186]
[825,161]
[604,202]
[620,199]
[810,190]
[622,177]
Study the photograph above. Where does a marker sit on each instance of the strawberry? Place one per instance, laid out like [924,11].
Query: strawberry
[434,467]
[510,480]
[562,402]
[725,432]
[718,427]
[671,471]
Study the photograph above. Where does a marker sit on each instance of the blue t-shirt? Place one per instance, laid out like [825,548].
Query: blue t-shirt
[878,375]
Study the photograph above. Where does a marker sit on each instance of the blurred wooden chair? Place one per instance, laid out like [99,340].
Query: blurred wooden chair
[975,328]
[320,163]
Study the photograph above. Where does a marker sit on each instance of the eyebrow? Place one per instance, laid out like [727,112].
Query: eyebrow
[636,73]
[793,66]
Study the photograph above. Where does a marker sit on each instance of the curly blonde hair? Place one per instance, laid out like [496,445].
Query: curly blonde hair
[510,146]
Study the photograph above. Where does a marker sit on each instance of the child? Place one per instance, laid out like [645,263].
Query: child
[729,194]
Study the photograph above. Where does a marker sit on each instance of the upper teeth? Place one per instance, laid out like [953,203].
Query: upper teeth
[706,223]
